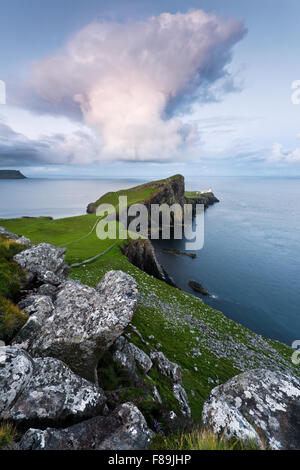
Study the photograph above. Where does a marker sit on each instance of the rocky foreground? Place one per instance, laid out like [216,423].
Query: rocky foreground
[51,382]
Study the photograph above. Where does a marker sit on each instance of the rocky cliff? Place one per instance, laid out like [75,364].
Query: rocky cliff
[141,253]
[169,191]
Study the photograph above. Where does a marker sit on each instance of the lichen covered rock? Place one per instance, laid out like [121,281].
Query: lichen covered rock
[165,367]
[45,261]
[259,404]
[83,324]
[12,236]
[128,356]
[44,391]
[124,429]
[181,396]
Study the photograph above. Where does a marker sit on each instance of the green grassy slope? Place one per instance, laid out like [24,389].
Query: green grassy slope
[135,195]
[209,347]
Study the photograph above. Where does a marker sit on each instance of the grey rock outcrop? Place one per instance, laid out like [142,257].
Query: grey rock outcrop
[172,371]
[165,367]
[47,289]
[197,287]
[12,236]
[128,356]
[259,404]
[83,323]
[45,261]
[181,396]
[44,391]
[207,199]
[36,305]
[124,429]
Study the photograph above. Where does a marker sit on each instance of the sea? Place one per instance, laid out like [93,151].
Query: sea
[250,260]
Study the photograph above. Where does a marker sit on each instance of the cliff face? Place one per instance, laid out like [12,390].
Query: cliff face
[141,254]
[208,199]
[11,175]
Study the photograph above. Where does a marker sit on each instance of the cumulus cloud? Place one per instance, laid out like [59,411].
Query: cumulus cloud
[129,81]
[279,155]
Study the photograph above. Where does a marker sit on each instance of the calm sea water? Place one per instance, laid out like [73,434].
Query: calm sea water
[55,197]
[250,261]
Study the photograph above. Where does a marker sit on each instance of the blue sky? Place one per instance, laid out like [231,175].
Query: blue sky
[240,123]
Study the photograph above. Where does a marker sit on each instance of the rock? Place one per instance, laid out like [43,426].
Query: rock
[47,289]
[124,429]
[128,356]
[181,396]
[196,286]
[172,371]
[157,396]
[165,367]
[12,236]
[207,199]
[24,241]
[45,261]
[44,391]
[16,369]
[259,404]
[36,305]
[142,255]
[170,251]
[83,324]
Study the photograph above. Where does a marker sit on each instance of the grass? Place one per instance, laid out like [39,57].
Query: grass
[11,280]
[209,347]
[200,440]
[7,434]
[136,194]
[191,194]
[11,319]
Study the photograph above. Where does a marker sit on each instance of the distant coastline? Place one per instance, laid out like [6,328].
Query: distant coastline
[11,175]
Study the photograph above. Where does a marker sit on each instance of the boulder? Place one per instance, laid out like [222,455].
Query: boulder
[182,398]
[260,404]
[128,356]
[165,367]
[47,289]
[44,391]
[45,261]
[172,371]
[83,324]
[12,236]
[36,305]
[124,429]
[197,287]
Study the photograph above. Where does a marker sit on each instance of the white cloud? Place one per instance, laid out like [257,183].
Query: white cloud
[279,155]
[125,79]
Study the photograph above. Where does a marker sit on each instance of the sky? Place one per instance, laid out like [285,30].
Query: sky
[137,88]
